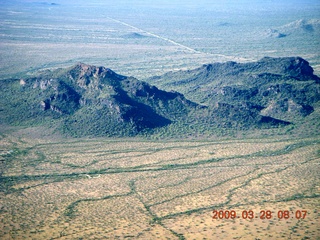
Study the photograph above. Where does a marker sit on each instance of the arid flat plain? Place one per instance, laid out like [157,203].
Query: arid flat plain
[145,39]
[143,189]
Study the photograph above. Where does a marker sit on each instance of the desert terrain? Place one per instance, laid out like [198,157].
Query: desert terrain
[145,189]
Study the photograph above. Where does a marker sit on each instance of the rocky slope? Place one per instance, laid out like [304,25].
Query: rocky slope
[85,100]
[89,100]
[281,88]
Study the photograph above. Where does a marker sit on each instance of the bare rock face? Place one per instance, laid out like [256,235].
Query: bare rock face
[92,77]
[287,109]
[22,82]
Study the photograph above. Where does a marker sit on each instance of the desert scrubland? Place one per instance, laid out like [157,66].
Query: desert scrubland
[140,189]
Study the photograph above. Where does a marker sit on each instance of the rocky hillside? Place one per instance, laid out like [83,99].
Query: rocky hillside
[89,100]
[86,100]
[281,88]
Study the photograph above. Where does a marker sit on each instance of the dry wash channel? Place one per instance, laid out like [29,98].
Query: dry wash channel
[108,189]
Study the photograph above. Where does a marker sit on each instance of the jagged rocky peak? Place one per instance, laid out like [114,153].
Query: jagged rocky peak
[85,70]
[295,67]
[84,74]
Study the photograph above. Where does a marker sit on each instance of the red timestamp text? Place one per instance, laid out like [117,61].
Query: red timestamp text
[263,214]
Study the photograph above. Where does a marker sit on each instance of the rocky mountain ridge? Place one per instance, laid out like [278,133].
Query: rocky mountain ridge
[91,100]
[282,88]
[86,100]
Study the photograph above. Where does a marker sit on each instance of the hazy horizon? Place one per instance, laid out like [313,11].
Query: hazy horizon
[174,34]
